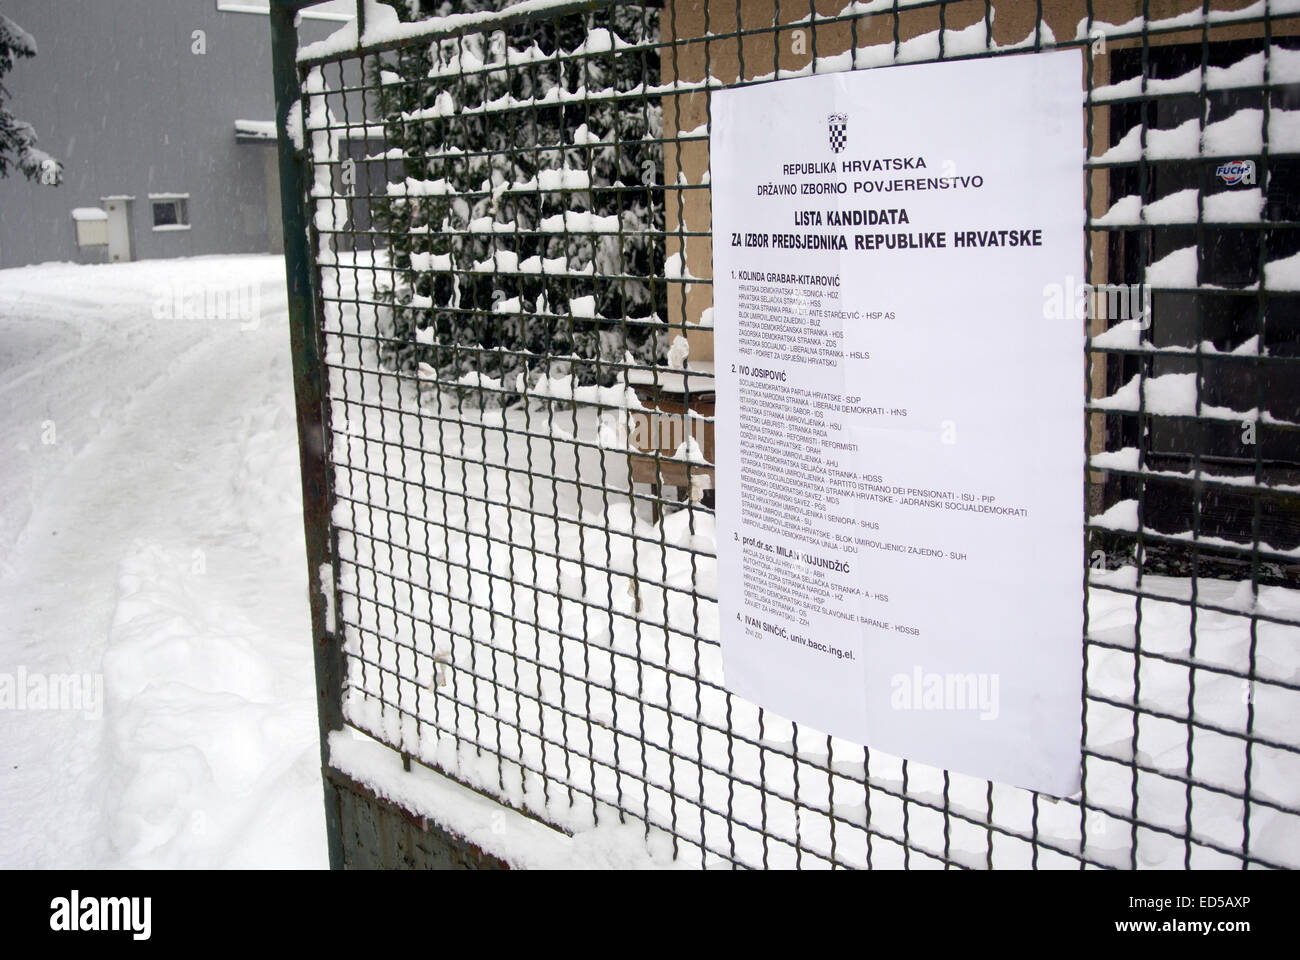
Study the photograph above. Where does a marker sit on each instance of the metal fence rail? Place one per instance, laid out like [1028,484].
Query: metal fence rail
[509,230]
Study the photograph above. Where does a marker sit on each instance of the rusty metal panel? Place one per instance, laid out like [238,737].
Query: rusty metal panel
[376,833]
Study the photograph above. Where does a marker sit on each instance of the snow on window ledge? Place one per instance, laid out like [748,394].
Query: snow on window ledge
[255,130]
[170,227]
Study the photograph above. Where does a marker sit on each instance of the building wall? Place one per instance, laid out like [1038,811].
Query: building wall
[118,95]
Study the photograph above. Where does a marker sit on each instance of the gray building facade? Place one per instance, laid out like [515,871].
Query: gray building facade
[141,101]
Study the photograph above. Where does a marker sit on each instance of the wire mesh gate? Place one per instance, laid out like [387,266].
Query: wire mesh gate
[505,399]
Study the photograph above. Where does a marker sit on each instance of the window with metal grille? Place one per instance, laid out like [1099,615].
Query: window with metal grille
[1238,221]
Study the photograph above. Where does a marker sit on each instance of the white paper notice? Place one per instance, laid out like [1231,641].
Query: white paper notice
[900,429]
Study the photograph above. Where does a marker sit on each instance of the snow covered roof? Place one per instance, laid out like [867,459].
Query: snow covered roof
[259,130]
[360,131]
[255,130]
[89,213]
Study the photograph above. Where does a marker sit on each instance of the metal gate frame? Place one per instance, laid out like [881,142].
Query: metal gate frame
[350,806]
[305,345]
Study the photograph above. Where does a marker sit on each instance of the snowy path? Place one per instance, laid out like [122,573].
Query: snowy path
[150,532]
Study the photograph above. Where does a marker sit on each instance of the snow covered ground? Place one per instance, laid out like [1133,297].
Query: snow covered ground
[151,545]
[152,577]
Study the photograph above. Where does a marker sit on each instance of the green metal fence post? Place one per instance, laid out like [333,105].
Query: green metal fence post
[308,393]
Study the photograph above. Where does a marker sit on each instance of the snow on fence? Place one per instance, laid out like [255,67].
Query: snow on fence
[513,311]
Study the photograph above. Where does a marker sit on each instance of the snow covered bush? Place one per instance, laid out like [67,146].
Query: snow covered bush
[17,138]
[519,234]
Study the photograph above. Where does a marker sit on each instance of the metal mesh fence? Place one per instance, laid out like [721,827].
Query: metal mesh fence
[510,221]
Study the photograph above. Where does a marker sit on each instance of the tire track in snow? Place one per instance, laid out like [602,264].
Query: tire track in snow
[45,367]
